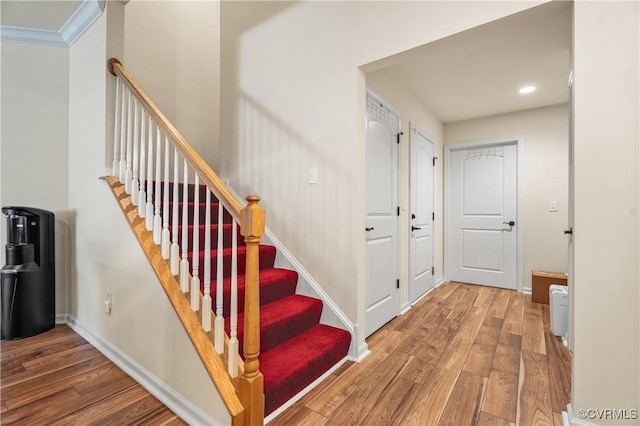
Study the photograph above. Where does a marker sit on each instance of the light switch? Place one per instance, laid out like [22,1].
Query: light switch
[313,175]
[553,206]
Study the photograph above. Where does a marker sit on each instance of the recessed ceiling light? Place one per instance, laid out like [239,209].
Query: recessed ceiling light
[528,89]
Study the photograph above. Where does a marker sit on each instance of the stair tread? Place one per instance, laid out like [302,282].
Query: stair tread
[291,366]
[203,226]
[282,319]
[227,250]
[267,275]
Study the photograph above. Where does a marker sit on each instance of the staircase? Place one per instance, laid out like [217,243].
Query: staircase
[295,349]
[259,341]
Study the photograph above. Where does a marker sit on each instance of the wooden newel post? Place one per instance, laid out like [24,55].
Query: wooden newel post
[251,383]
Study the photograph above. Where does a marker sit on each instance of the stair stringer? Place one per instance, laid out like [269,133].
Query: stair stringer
[191,321]
[307,286]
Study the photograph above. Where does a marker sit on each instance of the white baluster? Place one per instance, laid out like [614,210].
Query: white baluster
[135,185]
[175,248]
[206,300]
[184,262]
[142,194]
[115,167]
[128,174]
[195,278]
[219,324]
[123,135]
[166,234]
[233,332]
[149,209]
[157,218]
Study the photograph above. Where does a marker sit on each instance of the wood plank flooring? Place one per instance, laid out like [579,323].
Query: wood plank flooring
[58,378]
[464,355]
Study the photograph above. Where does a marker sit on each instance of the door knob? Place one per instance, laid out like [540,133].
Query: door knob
[568,231]
[369,229]
[415,228]
[510,223]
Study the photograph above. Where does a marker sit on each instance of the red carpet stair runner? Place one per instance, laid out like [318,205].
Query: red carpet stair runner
[295,349]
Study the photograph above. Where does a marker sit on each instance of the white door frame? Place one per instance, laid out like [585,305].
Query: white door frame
[448,149]
[570,225]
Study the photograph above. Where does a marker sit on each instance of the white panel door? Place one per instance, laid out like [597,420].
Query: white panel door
[421,219]
[382,294]
[482,201]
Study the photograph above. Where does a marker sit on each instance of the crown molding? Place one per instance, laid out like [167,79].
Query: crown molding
[76,25]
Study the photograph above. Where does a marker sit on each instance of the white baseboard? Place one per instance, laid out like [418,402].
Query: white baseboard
[526,290]
[165,394]
[363,352]
[569,419]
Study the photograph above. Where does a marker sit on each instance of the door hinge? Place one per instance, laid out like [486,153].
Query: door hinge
[398,283]
[398,210]
[400,134]
[433,216]
[434,161]
[433,270]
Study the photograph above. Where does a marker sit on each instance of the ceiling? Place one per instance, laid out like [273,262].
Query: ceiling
[44,15]
[472,74]
[478,72]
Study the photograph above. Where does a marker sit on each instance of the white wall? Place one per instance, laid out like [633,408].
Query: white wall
[545,174]
[105,255]
[294,98]
[413,112]
[606,361]
[35,102]
[173,49]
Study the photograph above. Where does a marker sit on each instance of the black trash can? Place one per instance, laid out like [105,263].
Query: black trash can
[27,288]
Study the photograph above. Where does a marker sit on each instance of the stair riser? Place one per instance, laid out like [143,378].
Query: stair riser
[190,191]
[202,208]
[226,237]
[267,259]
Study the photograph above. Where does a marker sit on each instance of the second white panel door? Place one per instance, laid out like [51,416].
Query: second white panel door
[421,215]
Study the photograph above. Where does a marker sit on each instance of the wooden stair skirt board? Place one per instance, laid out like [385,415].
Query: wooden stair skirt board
[295,349]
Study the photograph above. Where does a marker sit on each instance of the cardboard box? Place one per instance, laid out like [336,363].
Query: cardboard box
[540,282]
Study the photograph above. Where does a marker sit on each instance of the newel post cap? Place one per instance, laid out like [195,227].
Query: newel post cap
[253,218]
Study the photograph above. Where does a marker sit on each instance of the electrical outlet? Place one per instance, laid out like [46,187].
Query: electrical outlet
[108,303]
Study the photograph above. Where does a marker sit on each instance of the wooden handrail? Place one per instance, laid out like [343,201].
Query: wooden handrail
[194,159]
[252,226]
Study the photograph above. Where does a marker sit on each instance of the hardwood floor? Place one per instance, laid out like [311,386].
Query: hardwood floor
[464,355]
[58,378]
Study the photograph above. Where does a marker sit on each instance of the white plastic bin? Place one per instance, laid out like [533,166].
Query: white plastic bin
[559,308]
